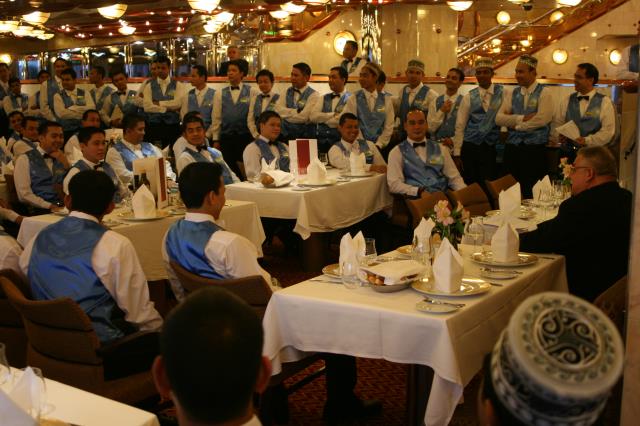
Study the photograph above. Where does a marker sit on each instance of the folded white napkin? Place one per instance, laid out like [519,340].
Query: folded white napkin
[357,163]
[143,203]
[280,177]
[265,167]
[509,200]
[28,392]
[351,249]
[316,172]
[569,130]
[447,268]
[541,185]
[505,243]
[398,271]
[12,414]
[423,231]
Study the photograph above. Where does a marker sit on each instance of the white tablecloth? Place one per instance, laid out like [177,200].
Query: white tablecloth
[322,209]
[240,217]
[324,317]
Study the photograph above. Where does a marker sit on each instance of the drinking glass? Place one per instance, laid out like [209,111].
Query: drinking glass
[5,370]
[322,156]
[350,275]
[546,201]
[475,231]
[38,394]
[558,192]
[370,253]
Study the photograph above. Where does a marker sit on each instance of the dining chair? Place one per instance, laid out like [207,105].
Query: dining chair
[613,302]
[496,186]
[243,173]
[12,195]
[63,344]
[12,332]
[472,199]
[419,207]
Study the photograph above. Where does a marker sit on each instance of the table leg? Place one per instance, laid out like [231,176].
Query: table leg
[314,250]
[419,379]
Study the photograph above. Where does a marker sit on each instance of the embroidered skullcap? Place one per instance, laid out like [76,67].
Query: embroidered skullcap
[556,361]
[373,68]
[415,64]
[484,63]
[529,60]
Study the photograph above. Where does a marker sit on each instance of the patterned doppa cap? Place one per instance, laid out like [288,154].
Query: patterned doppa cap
[529,60]
[484,63]
[556,361]
[415,64]
[374,68]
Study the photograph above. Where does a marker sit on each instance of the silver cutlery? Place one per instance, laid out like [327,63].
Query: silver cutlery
[485,269]
[442,302]
[495,284]
[324,279]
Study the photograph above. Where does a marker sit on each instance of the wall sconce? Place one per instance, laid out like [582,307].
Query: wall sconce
[615,56]
[559,56]
[341,39]
[5,58]
[503,17]
[556,16]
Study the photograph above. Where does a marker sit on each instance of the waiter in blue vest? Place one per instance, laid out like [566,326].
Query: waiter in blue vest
[229,131]
[327,111]
[527,111]
[71,103]
[49,88]
[266,100]
[4,91]
[34,99]
[101,91]
[296,105]
[162,102]
[121,101]
[15,100]
[352,63]
[592,112]
[443,112]
[415,95]
[476,132]
[200,97]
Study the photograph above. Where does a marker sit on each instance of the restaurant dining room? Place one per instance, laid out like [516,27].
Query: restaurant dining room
[319,212]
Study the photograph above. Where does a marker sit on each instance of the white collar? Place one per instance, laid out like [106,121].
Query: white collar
[89,162]
[198,217]
[82,215]
[302,89]
[132,146]
[345,143]
[262,138]
[454,96]
[416,89]
[591,94]
[489,89]
[529,90]
[373,94]
[412,141]
[239,85]
[72,92]
[193,147]
[165,81]
[203,90]
[42,151]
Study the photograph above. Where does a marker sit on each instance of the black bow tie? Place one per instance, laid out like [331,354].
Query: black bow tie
[235,87]
[122,93]
[349,60]
[100,165]
[297,91]
[45,156]
[335,95]
[264,96]
[583,98]
[202,147]
[417,144]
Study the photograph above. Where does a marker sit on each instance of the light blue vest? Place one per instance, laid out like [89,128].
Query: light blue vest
[265,152]
[71,124]
[185,245]
[539,136]
[354,65]
[589,123]
[99,102]
[257,106]
[128,108]
[14,101]
[418,102]
[169,117]
[81,165]
[330,135]
[42,180]
[427,175]
[448,127]
[363,147]
[290,131]
[371,123]
[129,156]
[481,126]
[234,115]
[60,266]
[217,158]
[206,109]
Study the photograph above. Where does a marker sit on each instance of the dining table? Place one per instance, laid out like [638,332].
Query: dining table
[322,315]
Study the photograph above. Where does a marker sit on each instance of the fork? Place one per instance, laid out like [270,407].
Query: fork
[442,302]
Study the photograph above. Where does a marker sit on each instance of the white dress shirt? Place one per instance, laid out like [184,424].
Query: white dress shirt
[291,114]
[216,117]
[121,189]
[607,119]
[117,163]
[173,104]
[436,117]
[115,262]
[72,149]
[463,114]
[8,105]
[251,124]
[339,161]
[331,119]
[10,252]
[543,116]
[45,109]
[395,173]
[74,111]
[230,255]
[371,97]
[431,96]
[22,177]
[356,70]
[252,156]
[34,112]
[185,159]
[20,147]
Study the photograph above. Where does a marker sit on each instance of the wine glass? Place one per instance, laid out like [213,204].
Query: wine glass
[322,156]
[546,200]
[475,231]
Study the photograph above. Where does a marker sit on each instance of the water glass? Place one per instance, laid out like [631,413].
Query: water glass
[475,231]
[38,394]
[370,253]
[350,275]
[5,370]
[421,251]
[324,159]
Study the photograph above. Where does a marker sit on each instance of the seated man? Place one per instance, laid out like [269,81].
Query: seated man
[39,172]
[181,143]
[15,100]
[198,151]
[554,364]
[199,245]
[29,138]
[340,151]
[16,121]
[122,154]
[10,250]
[94,148]
[266,146]
[230,357]
[596,256]
[418,166]
[90,118]
[79,258]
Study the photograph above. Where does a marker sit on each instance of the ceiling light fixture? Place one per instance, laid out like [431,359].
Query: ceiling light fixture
[556,16]
[459,6]
[126,29]
[204,5]
[5,58]
[37,17]
[568,3]
[316,2]
[8,26]
[279,14]
[293,8]
[212,26]
[114,11]
[615,57]
[503,17]
[525,43]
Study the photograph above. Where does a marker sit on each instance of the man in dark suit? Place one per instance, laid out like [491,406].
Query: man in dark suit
[592,227]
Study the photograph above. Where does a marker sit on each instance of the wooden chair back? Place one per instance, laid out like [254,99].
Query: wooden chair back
[613,302]
[495,186]
[243,173]
[419,207]
[12,332]
[472,198]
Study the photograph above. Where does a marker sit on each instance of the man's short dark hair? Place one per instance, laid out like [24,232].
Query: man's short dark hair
[60,58]
[265,73]
[119,71]
[241,64]
[100,70]
[382,78]
[211,345]
[191,119]
[459,72]
[91,192]
[85,115]
[351,43]
[44,127]
[85,133]
[43,72]
[30,118]
[130,121]
[201,70]
[4,65]
[16,112]
[344,75]
[69,71]
[590,71]
[13,80]
[197,180]
[303,68]
[266,115]
[194,113]
[162,60]
[347,116]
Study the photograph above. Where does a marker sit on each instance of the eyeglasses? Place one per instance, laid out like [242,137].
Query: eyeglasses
[573,168]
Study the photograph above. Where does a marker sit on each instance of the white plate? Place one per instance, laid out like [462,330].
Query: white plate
[524,259]
[63,212]
[468,287]
[332,270]
[434,308]
[365,174]
[405,250]
[501,274]
[327,182]
[300,188]
[160,214]
[524,214]
[392,288]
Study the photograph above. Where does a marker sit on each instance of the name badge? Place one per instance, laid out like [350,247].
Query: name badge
[244,100]
[436,160]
